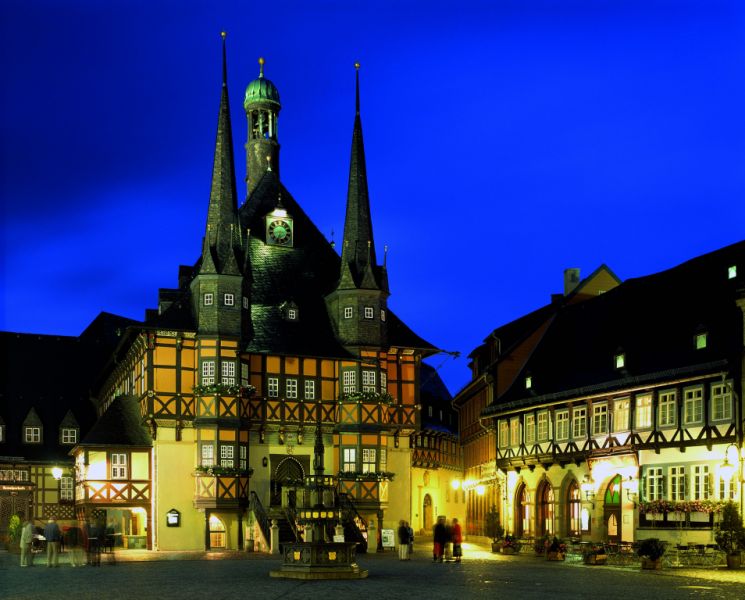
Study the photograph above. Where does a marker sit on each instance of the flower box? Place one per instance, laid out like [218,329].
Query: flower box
[699,517]
[651,564]
[596,559]
[554,555]
[509,550]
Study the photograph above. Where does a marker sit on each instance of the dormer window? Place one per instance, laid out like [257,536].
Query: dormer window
[528,382]
[229,300]
[209,299]
[369,312]
[290,311]
[701,340]
[69,435]
[292,314]
[619,360]
[732,272]
[348,312]
[32,435]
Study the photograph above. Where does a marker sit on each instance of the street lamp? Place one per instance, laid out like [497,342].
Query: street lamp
[57,473]
[588,487]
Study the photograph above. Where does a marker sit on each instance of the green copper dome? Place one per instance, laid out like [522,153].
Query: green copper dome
[261,89]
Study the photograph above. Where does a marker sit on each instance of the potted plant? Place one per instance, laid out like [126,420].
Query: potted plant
[494,529]
[556,550]
[594,554]
[510,545]
[541,544]
[651,550]
[730,534]
[14,534]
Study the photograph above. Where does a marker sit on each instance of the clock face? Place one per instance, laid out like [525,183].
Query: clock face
[280,232]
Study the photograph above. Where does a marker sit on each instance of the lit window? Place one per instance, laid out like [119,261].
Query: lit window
[209,299]
[701,482]
[291,388]
[383,382]
[348,312]
[667,409]
[228,372]
[118,466]
[229,299]
[620,360]
[542,426]
[504,432]
[349,382]
[732,272]
[515,432]
[579,423]
[208,372]
[310,389]
[349,460]
[530,429]
[208,455]
[621,414]
[677,484]
[562,425]
[644,411]
[653,485]
[369,312]
[721,402]
[273,387]
[226,456]
[528,382]
[32,435]
[368,381]
[701,340]
[368,460]
[66,488]
[69,435]
[693,405]
[599,419]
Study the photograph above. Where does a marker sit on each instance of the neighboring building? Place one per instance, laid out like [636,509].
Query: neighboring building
[207,410]
[616,417]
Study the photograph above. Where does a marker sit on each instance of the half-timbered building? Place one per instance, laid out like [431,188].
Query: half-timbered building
[624,416]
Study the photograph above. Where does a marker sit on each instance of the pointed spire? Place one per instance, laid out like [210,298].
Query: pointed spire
[224,34]
[359,247]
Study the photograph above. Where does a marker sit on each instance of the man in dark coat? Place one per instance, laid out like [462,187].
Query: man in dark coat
[440,538]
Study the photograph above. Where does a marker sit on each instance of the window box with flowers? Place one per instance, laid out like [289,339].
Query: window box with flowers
[219,389]
[367,398]
[691,513]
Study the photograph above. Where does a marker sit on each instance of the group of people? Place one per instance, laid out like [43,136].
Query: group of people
[444,535]
[405,540]
[75,540]
[52,535]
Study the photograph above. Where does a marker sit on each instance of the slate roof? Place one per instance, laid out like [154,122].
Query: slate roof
[434,392]
[53,375]
[652,320]
[120,425]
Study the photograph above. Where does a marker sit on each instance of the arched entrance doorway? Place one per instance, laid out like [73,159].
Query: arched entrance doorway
[217,532]
[427,520]
[522,512]
[545,509]
[288,474]
[612,509]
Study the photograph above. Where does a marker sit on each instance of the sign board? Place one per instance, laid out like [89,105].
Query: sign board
[388,538]
[339,538]
[173,518]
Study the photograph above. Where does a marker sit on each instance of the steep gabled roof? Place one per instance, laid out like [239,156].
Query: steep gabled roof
[120,425]
[652,320]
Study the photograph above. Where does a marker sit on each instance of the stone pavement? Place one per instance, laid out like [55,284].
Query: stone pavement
[142,575]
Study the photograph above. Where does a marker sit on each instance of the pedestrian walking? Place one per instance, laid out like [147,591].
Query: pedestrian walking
[456,535]
[439,539]
[53,536]
[74,542]
[403,541]
[27,537]
[446,549]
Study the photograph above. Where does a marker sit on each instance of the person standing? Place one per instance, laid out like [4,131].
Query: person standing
[411,538]
[74,541]
[403,541]
[457,536]
[27,536]
[53,535]
[439,538]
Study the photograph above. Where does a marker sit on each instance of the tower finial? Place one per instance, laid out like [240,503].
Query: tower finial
[261,66]
[223,35]
[357,73]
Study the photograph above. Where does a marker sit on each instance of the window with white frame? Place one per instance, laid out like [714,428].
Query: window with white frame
[368,460]
[229,299]
[721,402]
[383,382]
[369,312]
[579,423]
[644,411]
[515,432]
[621,414]
[66,489]
[349,382]
[599,419]
[667,409]
[348,312]
[243,453]
[69,435]
[701,482]
[32,435]
[368,381]
[653,484]
[228,372]
[504,432]
[542,428]
[728,487]
[310,389]
[118,466]
[349,460]
[291,314]
[227,454]
[209,299]
[700,341]
[208,455]
[272,386]
[693,405]
[677,484]
[530,429]
[383,459]
[208,372]
[291,388]
[562,425]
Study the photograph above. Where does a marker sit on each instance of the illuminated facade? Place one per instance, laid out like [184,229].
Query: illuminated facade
[611,416]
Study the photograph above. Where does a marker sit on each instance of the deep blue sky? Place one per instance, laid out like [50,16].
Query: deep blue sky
[505,142]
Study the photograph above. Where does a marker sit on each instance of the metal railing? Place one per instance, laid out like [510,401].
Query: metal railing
[261,516]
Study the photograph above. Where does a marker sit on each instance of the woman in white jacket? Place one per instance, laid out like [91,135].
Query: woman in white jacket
[27,536]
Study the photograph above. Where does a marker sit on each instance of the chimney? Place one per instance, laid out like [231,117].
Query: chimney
[571,280]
